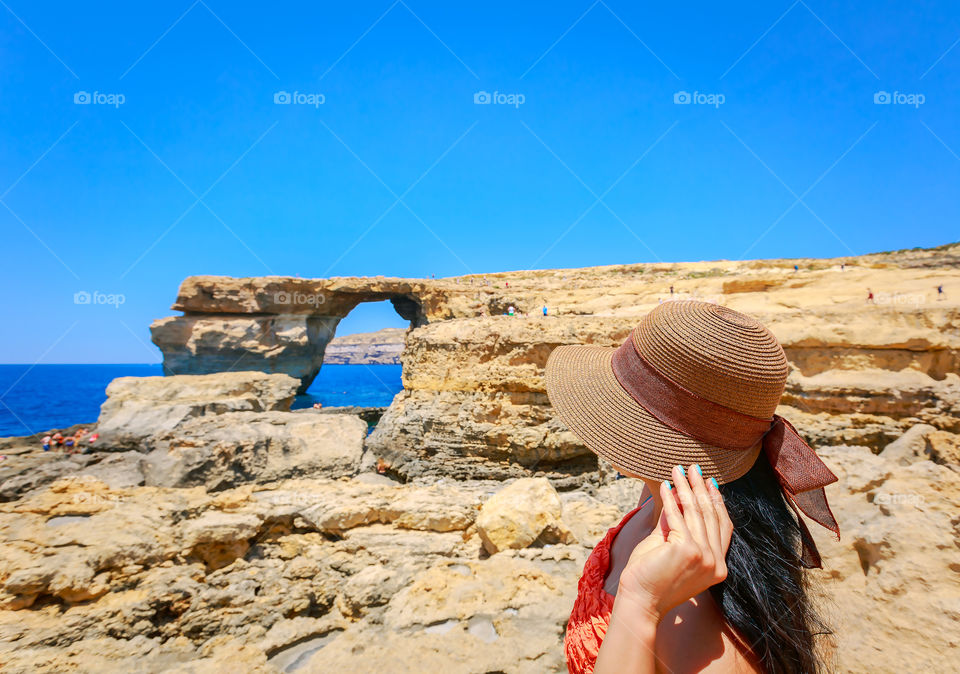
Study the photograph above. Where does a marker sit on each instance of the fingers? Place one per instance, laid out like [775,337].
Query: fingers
[723,517]
[691,509]
[711,520]
[671,511]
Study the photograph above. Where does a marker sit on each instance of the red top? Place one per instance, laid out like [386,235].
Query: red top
[591,610]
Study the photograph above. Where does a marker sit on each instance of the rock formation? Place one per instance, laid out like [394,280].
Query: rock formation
[138,408]
[366,348]
[225,532]
[273,324]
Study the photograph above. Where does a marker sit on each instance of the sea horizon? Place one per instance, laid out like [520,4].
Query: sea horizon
[40,397]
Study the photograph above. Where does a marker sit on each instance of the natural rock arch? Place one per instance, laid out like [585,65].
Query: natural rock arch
[270,324]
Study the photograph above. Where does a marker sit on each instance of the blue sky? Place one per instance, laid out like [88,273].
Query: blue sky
[181,162]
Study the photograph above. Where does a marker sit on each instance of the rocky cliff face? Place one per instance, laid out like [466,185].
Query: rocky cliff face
[862,373]
[367,348]
[228,533]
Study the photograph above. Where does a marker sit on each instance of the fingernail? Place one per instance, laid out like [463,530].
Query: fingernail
[699,472]
[667,482]
[715,485]
[682,471]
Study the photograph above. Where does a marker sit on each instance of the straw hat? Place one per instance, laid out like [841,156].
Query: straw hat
[715,353]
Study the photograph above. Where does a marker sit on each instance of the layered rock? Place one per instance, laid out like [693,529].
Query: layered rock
[474,402]
[231,449]
[322,575]
[366,348]
[138,408]
[273,324]
[218,431]
[221,562]
[288,344]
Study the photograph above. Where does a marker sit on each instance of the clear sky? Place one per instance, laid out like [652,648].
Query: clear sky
[142,143]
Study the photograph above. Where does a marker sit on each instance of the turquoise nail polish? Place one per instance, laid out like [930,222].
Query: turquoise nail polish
[715,485]
[667,482]
[699,471]
[682,471]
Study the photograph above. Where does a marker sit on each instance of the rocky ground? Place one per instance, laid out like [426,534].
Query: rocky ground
[215,530]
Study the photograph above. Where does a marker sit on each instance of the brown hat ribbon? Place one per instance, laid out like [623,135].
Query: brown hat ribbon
[801,473]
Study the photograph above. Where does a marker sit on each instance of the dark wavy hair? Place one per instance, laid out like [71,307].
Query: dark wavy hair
[764,597]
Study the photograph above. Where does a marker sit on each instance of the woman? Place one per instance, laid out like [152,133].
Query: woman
[707,574]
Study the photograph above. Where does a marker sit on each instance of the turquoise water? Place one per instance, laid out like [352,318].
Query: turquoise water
[40,397]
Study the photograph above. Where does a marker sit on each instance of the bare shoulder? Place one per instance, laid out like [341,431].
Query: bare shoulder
[694,638]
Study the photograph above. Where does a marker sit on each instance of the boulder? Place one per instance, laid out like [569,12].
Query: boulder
[909,447]
[229,449]
[139,408]
[527,511]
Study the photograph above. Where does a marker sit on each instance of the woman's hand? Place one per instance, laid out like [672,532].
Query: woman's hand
[685,554]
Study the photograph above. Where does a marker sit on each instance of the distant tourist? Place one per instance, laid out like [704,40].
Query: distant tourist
[842,266]
[940,294]
[317,406]
[510,310]
[796,268]
[544,309]
[671,291]
[46,443]
[869,296]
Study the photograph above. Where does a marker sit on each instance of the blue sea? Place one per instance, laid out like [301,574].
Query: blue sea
[40,397]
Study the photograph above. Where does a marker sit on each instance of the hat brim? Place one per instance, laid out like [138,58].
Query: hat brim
[589,400]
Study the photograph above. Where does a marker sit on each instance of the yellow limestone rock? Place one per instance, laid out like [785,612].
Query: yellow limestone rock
[526,511]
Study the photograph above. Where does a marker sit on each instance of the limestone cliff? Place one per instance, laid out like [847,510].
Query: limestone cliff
[382,347]
[230,534]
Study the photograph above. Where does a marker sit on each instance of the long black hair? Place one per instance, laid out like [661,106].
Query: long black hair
[764,597]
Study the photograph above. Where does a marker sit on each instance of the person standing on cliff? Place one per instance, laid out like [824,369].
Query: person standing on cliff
[708,572]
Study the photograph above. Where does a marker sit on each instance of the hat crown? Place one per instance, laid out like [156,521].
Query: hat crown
[717,353]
